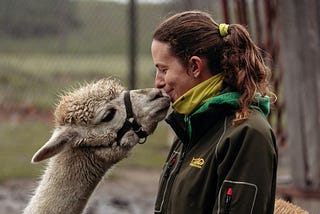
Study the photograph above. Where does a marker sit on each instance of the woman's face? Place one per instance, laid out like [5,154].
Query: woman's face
[171,75]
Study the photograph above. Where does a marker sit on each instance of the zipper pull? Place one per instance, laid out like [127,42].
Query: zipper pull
[170,166]
[228,200]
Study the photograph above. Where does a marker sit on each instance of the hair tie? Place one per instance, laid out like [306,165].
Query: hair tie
[223,29]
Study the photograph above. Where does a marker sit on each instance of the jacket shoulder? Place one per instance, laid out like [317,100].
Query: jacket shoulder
[255,133]
[256,123]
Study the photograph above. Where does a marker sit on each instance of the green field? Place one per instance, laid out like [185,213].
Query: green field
[35,71]
[37,79]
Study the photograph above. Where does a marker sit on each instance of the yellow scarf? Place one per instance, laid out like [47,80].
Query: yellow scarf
[198,95]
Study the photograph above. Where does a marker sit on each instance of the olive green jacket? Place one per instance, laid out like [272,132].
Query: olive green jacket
[218,167]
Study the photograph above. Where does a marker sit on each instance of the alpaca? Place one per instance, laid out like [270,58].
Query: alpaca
[93,132]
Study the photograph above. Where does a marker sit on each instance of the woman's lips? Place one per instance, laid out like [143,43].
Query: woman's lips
[169,93]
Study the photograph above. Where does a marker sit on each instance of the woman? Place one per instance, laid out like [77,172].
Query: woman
[224,158]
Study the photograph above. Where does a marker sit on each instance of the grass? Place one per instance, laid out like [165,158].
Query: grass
[34,70]
[18,143]
[38,78]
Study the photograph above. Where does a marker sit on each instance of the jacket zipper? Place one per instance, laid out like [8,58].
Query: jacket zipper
[167,180]
[170,166]
[183,154]
[173,166]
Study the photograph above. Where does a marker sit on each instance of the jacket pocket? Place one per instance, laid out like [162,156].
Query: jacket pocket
[236,197]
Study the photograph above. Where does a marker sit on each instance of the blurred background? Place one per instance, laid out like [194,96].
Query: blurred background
[48,47]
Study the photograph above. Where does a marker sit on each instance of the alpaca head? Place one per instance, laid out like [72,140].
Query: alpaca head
[88,121]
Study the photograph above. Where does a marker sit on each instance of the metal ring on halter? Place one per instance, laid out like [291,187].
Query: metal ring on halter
[142,140]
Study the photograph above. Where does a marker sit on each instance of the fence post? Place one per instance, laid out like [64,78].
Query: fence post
[132,44]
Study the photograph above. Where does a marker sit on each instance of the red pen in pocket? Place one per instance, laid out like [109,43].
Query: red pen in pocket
[228,200]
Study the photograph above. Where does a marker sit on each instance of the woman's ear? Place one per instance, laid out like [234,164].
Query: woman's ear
[196,65]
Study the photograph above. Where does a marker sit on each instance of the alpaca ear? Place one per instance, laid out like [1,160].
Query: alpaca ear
[55,144]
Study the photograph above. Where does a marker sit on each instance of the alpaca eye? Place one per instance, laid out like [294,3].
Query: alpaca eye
[109,115]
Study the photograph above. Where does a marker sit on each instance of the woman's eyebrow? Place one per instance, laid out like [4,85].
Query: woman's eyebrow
[160,65]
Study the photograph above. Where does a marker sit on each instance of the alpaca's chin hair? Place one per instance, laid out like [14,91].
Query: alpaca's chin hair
[116,151]
[150,128]
[129,140]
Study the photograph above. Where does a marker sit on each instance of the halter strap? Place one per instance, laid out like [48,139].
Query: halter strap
[130,122]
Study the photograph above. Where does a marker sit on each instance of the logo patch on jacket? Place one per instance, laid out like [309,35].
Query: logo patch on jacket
[197,162]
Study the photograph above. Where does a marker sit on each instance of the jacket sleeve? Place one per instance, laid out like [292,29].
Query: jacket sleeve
[247,171]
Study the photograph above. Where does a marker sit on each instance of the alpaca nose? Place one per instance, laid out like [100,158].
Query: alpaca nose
[158,93]
[163,93]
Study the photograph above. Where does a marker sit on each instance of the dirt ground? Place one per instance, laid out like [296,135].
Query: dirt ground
[123,191]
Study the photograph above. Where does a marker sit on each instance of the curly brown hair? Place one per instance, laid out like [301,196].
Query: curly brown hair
[244,69]
[195,33]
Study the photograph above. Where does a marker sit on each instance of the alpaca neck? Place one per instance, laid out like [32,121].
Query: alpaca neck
[66,185]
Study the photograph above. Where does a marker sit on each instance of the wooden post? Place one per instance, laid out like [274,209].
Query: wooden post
[300,55]
[132,44]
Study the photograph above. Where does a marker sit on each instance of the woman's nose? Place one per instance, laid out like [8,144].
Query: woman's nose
[159,81]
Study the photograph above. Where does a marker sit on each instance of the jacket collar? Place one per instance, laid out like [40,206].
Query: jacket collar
[200,122]
[191,128]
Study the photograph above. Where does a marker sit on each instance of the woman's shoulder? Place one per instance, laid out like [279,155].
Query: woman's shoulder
[256,122]
[255,128]
[254,136]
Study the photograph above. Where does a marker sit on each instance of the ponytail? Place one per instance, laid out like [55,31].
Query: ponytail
[243,68]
